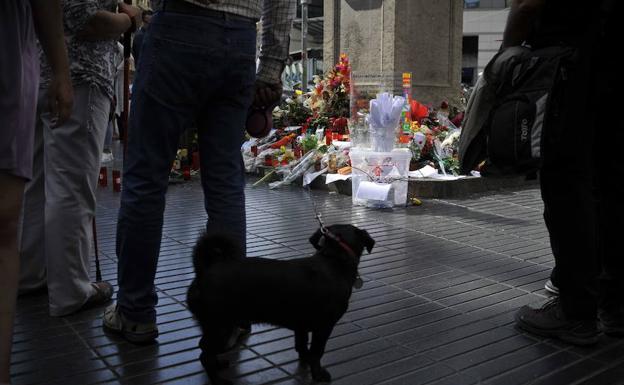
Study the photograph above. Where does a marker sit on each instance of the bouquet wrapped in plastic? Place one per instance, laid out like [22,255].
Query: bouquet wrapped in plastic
[302,166]
[385,114]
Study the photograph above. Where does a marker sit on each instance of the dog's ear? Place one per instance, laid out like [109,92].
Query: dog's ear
[317,239]
[367,240]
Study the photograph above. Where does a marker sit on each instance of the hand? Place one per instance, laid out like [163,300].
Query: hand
[60,99]
[134,13]
[267,94]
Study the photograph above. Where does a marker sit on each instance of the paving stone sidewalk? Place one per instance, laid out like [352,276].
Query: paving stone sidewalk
[441,287]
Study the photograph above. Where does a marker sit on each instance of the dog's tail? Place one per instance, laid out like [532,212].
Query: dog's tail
[212,248]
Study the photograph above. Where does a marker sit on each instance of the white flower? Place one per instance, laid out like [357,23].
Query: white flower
[451,139]
[419,139]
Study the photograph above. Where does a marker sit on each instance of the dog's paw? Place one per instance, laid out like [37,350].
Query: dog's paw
[321,375]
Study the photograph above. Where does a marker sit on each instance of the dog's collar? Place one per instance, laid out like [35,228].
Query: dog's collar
[358,280]
[339,241]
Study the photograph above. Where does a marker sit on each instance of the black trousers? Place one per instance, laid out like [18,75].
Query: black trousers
[581,182]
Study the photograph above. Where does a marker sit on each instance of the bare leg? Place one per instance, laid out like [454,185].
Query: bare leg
[11,192]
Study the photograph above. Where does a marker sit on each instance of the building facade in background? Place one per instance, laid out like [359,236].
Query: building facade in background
[484,24]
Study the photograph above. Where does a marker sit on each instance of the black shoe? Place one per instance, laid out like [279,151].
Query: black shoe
[612,322]
[550,321]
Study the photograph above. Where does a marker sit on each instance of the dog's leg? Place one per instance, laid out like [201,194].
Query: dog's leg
[301,345]
[210,347]
[317,348]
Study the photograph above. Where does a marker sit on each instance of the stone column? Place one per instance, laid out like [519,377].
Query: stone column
[385,38]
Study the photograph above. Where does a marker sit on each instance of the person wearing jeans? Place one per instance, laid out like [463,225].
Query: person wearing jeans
[197,68]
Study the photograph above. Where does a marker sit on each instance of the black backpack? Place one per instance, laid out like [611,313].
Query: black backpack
[530,91]
[528,100]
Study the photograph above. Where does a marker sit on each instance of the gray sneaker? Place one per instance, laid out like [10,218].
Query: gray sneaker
[550,321]
[135,332]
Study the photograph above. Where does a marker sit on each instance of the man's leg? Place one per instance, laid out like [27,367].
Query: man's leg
[11,191]
[570,211]
[611,306]
[72,160]
[221,133]
[222,171]
[162,101]
[609,165]
[570,216]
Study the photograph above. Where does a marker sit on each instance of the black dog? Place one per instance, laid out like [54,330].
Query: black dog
[306,295]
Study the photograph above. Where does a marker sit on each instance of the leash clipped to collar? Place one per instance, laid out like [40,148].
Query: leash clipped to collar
[358,280]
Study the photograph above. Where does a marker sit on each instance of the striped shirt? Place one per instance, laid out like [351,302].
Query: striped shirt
[277,16]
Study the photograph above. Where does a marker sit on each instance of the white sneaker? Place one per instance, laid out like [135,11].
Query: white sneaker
[107,157]
[551,288]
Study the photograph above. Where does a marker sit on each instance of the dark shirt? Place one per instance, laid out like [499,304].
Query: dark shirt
[563,22]
[137,42]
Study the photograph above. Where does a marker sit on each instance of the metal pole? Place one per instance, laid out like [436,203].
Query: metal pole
[98,272]
[304,45]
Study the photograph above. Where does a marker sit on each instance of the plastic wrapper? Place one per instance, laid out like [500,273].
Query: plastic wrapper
[359,130]
[385,114]
[444,152]
[341,156]
[383,168]
[297,171]
[445,121]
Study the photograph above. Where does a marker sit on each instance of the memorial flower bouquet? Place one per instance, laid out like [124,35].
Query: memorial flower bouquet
[330,96]
[292,112]
[435,141]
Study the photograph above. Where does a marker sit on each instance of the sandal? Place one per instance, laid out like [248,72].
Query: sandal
[135,332]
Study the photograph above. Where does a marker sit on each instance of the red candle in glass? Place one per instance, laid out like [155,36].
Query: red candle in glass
[195,160]
[103,177]
[116,180]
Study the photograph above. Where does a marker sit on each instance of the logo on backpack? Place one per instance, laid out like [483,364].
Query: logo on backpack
[524,129]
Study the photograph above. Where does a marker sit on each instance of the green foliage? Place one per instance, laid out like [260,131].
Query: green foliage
[309,143]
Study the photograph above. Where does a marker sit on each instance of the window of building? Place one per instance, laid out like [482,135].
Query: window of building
[493,4]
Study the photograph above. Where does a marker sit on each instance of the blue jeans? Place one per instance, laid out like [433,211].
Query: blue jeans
[194,71]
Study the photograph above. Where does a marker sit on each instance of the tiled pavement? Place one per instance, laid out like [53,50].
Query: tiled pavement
[437,306]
